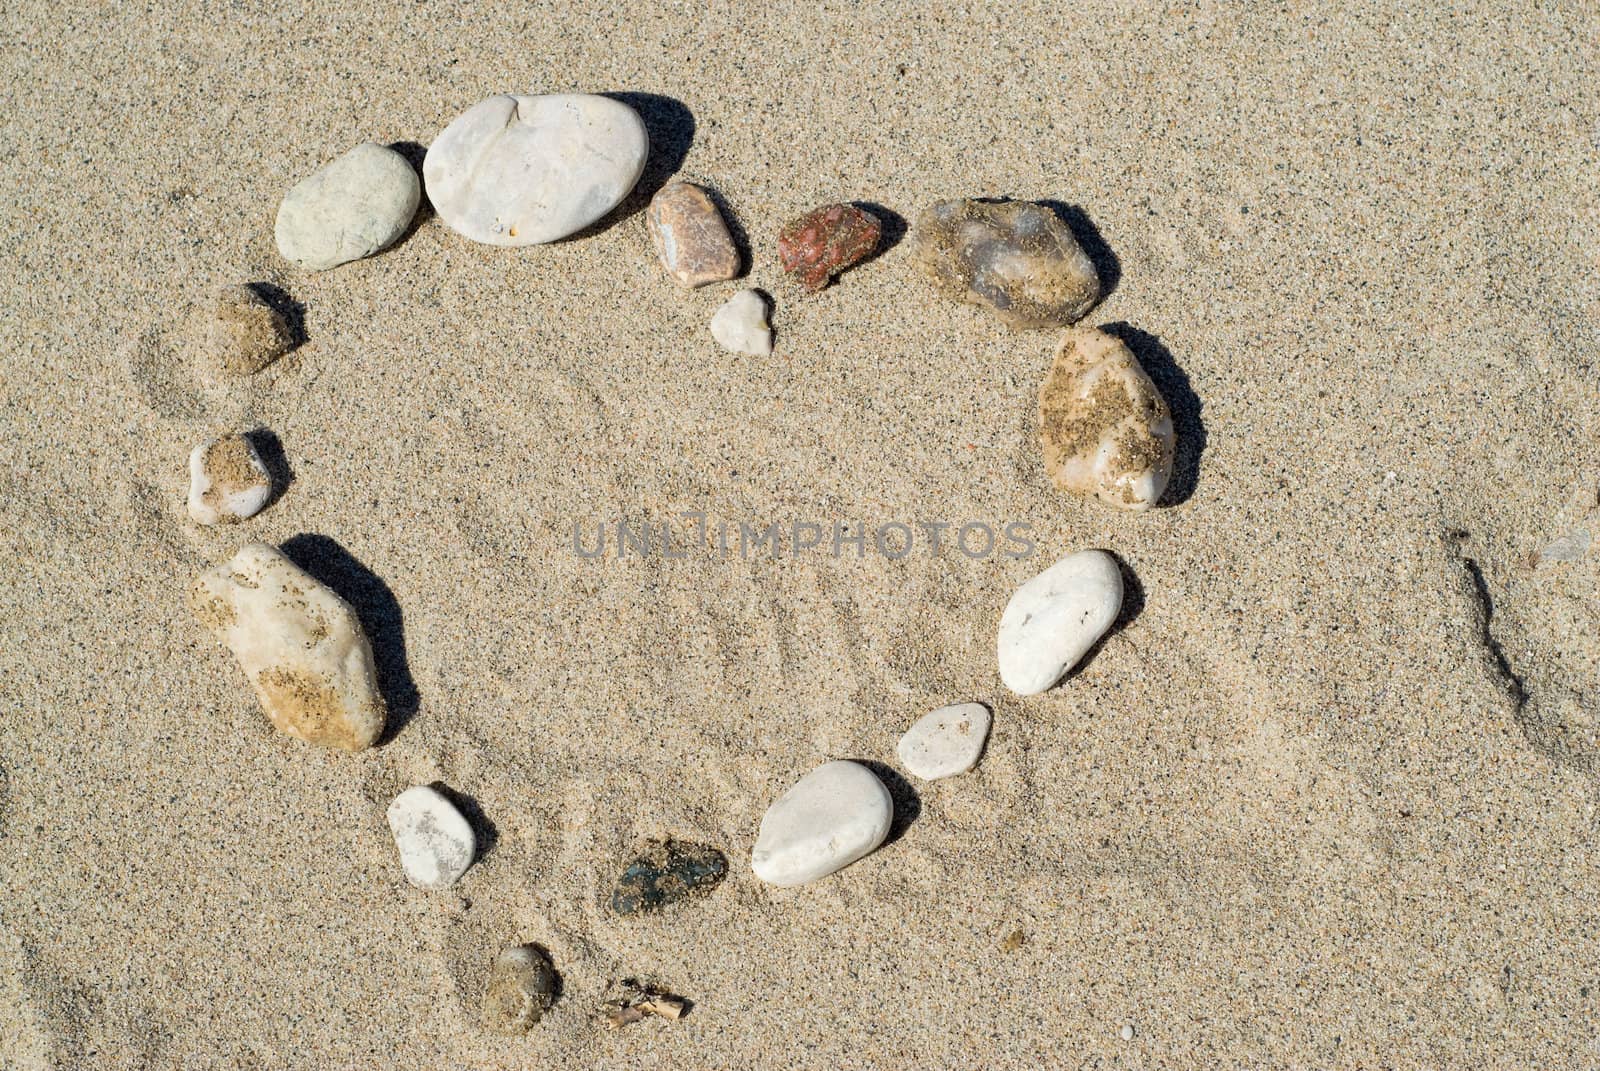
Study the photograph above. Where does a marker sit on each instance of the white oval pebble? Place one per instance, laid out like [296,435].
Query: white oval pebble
[351,208]
[833,816]
[519,170]
[740,326]
[1055,618]
[436,844]
[945,742]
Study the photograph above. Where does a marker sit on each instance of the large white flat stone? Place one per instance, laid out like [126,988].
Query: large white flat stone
[520,170]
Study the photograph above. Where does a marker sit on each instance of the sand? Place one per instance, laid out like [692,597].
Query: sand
[1324,798]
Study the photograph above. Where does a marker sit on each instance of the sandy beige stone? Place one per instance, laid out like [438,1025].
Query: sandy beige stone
[301,646]
[522,985]
[1104,428]
[228,481]
[241,333]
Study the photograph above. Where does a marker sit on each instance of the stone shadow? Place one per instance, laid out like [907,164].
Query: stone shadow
[907,802]
[292,311]
[414,153]
[1186,407]
[1106,262]
[380,615]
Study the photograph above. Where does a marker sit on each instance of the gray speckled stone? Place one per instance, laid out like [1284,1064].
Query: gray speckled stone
[351,208]
[436,844]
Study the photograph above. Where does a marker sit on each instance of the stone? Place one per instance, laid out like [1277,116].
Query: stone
[740,325]
[350,208]
[299,643]
[666,871]
[945,742]
[691,236]
[1014,257]
[825,241]
[833,816]
[521,170]
[228,481]
[242,333]
[1053,620]
[436,844]
[522,986]
[1104,427]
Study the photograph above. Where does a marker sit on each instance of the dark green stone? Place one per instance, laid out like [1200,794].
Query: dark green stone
[665,872]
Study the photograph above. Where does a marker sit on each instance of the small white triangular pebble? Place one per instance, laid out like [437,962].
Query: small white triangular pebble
[836,814]
[946,741]
[436,844]
[740,326]
[1055,618]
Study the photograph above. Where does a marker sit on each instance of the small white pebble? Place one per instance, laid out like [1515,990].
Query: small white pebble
[946,742]
[740,326]
[228,482]
[1127,1032]
[436,844]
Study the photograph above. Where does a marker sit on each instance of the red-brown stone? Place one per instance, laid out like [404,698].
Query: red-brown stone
[825,241]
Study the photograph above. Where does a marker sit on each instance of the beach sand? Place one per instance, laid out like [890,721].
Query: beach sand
[1325,797]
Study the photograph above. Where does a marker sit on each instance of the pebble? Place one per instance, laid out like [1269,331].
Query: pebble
[1053,620]
[228,481]
[242,334]
[666,871]
[522,986]
[833,816]
[350,208]
[740,325]
[691,236]
[299,643]
[521,170]
[436,844]
[1014,257]
[1104,427]
[825,241]
[945,742]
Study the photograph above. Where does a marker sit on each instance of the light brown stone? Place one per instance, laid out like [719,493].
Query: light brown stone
[691,236]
